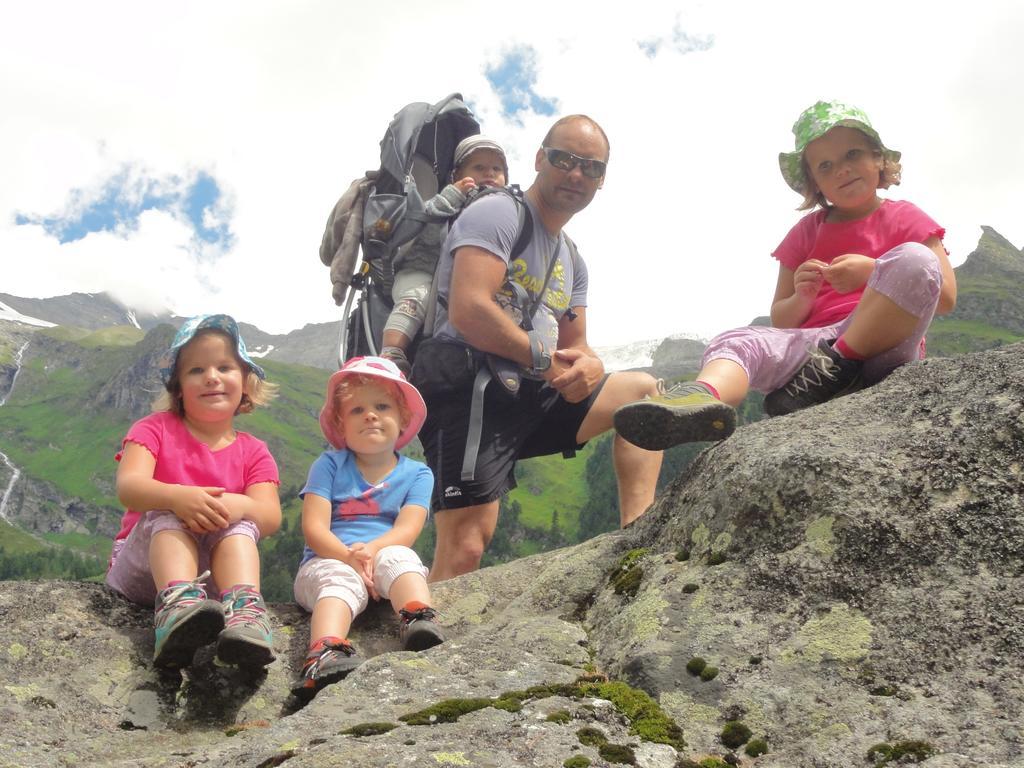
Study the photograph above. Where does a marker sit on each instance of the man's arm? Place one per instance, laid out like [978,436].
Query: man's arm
[477,275]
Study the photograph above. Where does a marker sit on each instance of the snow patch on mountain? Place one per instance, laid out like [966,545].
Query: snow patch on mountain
[14,316]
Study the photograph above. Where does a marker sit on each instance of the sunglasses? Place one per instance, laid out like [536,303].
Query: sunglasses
[566,161]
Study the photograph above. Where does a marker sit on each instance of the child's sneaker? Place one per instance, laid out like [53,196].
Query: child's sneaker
[247,639]
[685,413]
[185,620]
[397,356]
[330,659]
[824,375]
[419,630]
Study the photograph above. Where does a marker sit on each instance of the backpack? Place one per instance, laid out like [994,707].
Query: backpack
[416,161]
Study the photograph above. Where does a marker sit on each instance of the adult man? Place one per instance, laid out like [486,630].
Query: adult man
[578,401]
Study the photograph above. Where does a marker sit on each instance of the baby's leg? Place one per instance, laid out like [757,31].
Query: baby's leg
[409,293]
[400,576]
[895,311]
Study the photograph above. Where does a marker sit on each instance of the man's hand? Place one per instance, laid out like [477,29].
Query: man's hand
[200,509]
[574,373]
[849,272]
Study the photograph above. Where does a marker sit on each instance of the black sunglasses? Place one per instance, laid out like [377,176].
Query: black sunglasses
[566,161]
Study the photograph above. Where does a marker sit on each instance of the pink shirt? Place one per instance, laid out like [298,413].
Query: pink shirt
[183,460]
[893,223]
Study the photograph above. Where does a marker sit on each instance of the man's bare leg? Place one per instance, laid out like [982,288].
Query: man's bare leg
[462,538]
[636,469]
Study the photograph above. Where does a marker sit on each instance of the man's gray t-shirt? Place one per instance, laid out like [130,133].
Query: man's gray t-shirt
[491,223]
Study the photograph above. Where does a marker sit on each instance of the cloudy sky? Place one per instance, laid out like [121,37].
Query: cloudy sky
[186,155]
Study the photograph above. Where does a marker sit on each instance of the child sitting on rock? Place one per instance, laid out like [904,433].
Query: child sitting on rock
[199,496]
[859,281]
[478,162]
[363,507]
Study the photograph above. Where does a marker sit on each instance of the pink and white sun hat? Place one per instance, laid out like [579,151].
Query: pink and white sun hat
[378,368]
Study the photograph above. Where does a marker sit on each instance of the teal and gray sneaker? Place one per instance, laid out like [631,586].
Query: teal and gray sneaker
[684,413]
[185,620]
[247,639]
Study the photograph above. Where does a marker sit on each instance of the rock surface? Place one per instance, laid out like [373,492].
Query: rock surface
[853,572]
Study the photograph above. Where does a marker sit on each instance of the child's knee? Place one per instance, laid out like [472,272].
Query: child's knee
[908,261]
[394,561]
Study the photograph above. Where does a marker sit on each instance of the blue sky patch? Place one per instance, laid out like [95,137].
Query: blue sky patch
[119,202]
[513,79]
[681,41]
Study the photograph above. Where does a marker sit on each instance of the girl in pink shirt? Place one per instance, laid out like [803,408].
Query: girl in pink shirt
[859,282]
[199,495]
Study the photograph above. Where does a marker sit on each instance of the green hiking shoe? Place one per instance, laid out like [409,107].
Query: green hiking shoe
[685,413]
[185,620]
[327,662]
[247,640]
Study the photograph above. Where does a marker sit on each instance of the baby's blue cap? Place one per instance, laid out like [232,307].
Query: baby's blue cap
[187,332]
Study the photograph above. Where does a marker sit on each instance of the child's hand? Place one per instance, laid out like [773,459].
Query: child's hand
[849,272]
[200,509]
[808,278]
[466,185]
[361,556]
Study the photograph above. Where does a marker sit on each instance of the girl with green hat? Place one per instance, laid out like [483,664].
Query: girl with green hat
[860,279]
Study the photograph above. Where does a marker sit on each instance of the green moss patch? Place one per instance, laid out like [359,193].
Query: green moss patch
[626,577]
[708,673]
[561,716]
[756,747]
[579,761]
[900,752]
[591,737]
[369,729]
[689,589]
[735,734]
[617,753]
[696,665]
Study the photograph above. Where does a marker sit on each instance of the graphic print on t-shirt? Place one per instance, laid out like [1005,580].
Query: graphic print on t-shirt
[361,506]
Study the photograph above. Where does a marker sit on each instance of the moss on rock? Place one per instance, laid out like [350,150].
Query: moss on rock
[734,734]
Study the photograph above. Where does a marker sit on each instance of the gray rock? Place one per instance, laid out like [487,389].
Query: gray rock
[869,591]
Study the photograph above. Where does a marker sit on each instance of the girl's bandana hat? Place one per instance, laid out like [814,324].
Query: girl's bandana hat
[378,368]
[187,332]
[813,123]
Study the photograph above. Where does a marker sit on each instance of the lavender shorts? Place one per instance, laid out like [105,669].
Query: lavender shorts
[909,275]
[129,571]
[322,577]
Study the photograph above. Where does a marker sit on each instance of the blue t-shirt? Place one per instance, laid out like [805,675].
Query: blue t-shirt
[361,511]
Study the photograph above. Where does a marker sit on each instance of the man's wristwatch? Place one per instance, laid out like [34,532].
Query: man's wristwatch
[539,350]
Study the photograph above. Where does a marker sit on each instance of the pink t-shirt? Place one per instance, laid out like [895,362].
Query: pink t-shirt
[183,460]
[893,223]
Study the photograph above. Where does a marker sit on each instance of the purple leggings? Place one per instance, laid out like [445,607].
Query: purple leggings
[909,275]
[129,571]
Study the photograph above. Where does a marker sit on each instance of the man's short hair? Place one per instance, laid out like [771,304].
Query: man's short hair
[573,118]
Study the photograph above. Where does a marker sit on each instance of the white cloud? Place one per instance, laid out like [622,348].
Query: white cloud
[284,103]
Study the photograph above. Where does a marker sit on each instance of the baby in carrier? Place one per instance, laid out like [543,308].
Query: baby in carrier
[479,161]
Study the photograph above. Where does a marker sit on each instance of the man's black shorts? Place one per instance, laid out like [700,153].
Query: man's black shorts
[539,422]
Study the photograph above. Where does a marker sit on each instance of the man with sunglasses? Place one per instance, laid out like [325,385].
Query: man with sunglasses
[565,398]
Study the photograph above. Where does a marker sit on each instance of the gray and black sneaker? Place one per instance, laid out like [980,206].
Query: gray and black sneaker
[684,413]
[247,639]
[824,375]
[327,662]
[419,629]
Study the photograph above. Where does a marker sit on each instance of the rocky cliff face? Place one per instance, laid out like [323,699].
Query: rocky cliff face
[989,283]
[843,582]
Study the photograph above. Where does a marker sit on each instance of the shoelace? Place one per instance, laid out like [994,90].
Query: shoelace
[679,388]
[811,373]
[408,617]
[178,593]
[244,608]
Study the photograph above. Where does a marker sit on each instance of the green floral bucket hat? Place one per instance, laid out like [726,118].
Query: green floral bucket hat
[813,123]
